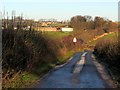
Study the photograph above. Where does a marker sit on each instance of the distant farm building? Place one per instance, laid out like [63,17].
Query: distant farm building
[67,29]
[46,29]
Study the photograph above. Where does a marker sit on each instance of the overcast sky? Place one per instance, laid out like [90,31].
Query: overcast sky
[61,9]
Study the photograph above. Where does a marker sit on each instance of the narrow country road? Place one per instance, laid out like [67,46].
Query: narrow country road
[64,77]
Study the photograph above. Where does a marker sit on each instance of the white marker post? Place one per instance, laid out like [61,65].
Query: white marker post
[74,40]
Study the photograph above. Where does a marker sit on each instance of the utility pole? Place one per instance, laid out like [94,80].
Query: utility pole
[21,20]
[0,18]
[13,18]
[4,24]
[7,22]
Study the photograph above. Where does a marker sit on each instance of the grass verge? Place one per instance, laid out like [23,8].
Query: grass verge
[107,51]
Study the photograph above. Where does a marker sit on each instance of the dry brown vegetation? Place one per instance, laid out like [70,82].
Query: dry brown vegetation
[31,51]
[108,51]
[24,50]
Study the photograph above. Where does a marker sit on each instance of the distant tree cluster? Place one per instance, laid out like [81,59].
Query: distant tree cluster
[87,22]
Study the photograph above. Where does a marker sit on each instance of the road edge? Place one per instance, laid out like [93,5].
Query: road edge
[103,72]
[50,71]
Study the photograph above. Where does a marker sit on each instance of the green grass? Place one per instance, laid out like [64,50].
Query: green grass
[56,35]
[109,36]
[113,35]
[28,78]
[65,58]
[21,80]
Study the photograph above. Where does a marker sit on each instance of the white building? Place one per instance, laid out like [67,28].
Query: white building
[67,29]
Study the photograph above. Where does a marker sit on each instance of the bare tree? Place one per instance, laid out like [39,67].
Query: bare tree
[78,22]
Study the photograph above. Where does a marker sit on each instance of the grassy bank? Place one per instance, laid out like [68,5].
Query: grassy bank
[56,35]
[107,51]
[28,55]
[24,79]
[112,35]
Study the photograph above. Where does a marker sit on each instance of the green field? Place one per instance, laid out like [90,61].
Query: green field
[109,36]
[56,35]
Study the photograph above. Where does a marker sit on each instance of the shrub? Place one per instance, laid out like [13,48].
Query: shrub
[108,52]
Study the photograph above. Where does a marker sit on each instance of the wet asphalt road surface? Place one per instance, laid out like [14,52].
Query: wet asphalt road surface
[65,78]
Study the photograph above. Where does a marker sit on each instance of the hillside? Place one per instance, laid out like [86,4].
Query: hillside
[110,35]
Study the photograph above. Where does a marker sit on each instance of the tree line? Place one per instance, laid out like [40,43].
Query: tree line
[87,23]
